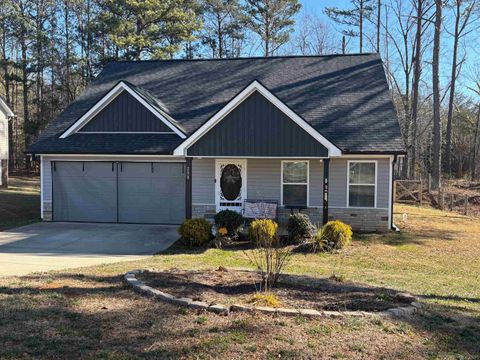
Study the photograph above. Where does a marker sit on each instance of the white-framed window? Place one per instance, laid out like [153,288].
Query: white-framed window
[362,184]
[295,183]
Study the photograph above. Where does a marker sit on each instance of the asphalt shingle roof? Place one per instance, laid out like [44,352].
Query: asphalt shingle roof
[344,97]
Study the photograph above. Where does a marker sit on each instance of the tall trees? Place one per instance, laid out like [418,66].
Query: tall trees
[224,30]
[154,28]
[354,18]
[313,37]
[272,21]
[463,11]
[437,130]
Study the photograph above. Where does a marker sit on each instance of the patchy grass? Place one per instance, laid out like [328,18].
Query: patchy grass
[20,203]
[88,313]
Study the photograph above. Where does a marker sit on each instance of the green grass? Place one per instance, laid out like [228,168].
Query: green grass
[20,203]
[90,313]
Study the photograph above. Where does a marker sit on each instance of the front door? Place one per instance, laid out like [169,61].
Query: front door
[230,184]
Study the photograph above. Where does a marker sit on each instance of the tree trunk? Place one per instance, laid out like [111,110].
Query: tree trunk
[448,149]
[417,72]
[437,133]
[361,26]
[379,7]
[474,147]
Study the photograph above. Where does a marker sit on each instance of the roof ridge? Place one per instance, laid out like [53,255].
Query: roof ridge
[244,58]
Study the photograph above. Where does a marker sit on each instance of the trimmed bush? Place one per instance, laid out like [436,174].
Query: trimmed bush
[197,232]
[300,227]
[231,220]
[263,232]
[334,235]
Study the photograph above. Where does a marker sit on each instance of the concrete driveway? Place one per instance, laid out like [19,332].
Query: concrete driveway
[55,246]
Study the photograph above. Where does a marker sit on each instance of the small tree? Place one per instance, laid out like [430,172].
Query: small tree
[268,256]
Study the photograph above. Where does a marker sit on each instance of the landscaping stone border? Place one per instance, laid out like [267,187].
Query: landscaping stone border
[139,286]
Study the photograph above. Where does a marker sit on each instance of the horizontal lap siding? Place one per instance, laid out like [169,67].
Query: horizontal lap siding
[263,179]
[3,137]
[46,172]
[203,181]
[338,182]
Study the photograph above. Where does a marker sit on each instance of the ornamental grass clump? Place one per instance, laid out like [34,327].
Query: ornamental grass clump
[268,256]
[334,235]
[196,232]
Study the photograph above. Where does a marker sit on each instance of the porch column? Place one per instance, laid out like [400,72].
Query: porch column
[188,188]
[326,165]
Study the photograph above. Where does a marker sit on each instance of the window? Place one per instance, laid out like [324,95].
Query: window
[295,183]
[362,183]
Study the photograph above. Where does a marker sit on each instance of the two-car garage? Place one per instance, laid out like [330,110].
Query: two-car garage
[123,192]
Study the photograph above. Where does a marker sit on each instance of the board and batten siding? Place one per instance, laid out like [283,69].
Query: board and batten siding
[258,128]
[125,114]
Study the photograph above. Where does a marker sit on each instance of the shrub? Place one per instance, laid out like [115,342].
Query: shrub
[265,299]
[333,235]
[300,227]
[263,232]
[231,220]
[196,231]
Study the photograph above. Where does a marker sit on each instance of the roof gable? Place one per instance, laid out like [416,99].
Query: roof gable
[114,113]
[256,86]
[125,114]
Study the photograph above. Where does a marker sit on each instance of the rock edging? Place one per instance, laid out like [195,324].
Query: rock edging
[137,285]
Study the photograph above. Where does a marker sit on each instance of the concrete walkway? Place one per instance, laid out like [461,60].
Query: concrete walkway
[56,246]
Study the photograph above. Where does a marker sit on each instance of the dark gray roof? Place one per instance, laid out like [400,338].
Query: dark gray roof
[344,97]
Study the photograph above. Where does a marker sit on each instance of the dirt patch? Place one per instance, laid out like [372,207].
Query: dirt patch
[239,287]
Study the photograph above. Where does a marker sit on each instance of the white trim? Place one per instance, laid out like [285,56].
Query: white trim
[114,155]
[41,187]
[359,156]
[202,204]
[237,100]
[263,157]
[128,132]
[307,183]
[217,180]
[375,184]
[356,208]
[109,97]
[6,110]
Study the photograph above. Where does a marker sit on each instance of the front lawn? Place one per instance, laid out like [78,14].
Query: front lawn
[89,313]
[20,203]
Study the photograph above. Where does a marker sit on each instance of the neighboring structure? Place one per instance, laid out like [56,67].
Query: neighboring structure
[161,141]
[5,114]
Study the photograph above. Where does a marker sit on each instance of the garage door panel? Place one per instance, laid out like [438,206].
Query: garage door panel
[151,193]
[84,192]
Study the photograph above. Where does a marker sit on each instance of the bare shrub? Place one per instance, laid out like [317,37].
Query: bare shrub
[269,257]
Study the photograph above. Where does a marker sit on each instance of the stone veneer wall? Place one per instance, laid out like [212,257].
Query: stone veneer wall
[367,220]
[47,211]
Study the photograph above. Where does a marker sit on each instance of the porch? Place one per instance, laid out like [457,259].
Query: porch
[319,187]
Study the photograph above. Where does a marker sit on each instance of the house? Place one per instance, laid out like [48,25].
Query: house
[5,114]
[161,141]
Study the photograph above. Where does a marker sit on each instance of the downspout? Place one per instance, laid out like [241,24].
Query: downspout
[392,225]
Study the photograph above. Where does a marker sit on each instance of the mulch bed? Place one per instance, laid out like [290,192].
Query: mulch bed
[238,287]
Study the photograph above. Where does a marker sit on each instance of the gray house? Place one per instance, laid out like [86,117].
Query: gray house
[5,114]
[161,141]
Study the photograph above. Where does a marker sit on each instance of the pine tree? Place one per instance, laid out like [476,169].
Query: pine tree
[154,28]
[354,18]
[273,21]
